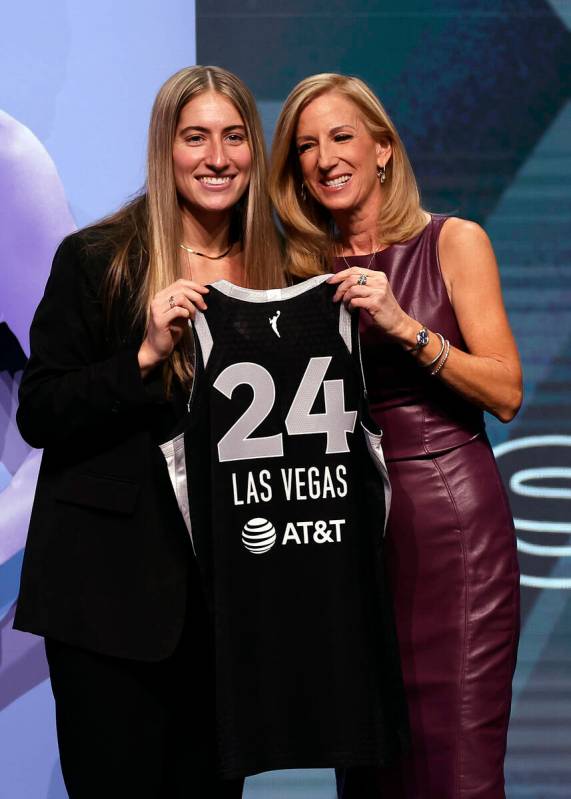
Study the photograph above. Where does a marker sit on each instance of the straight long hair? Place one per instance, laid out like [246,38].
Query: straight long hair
[144,235]
[308,225]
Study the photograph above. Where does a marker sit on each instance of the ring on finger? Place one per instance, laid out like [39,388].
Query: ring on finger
[362,281]
[172,303]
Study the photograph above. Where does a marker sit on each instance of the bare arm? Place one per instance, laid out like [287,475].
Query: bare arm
[489,374]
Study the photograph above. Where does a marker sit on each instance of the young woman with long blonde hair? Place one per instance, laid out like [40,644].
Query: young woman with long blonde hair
[108,576]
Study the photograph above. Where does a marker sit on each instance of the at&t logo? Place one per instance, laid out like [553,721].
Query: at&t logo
[259,535]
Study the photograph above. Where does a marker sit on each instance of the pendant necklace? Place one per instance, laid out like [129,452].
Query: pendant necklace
[377,249]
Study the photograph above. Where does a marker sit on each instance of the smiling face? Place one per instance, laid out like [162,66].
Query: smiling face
[211,154]
[338,156]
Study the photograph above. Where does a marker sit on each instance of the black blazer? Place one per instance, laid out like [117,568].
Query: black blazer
[107,558]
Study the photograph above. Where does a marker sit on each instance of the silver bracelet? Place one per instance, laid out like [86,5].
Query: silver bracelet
[439,356]
[442,361]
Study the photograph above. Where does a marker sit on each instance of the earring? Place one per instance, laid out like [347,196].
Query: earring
[382,173]
[303,192]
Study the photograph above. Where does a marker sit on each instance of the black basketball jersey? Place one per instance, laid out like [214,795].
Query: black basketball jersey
[285,495]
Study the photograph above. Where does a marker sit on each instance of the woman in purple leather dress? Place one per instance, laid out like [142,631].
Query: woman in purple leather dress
[437,350]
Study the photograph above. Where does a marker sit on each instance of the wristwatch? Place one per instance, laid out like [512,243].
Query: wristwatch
[422,339]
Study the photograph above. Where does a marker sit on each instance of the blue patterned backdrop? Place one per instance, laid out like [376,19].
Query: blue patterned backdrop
[480,92]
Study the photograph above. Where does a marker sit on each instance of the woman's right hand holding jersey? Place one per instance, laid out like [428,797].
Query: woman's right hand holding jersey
[170,311]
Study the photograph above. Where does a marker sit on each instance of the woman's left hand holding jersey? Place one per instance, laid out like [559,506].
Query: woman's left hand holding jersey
[489,374]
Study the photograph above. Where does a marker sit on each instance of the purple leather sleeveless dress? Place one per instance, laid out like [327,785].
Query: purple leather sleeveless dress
[450,550]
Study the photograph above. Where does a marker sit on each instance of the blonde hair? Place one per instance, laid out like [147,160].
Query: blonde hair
[144,235]
[307,224]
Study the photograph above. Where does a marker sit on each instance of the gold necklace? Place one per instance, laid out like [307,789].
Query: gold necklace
[205,255]
[370,261]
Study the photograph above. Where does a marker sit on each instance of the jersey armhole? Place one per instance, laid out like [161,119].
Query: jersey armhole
[366,419]
[202,348]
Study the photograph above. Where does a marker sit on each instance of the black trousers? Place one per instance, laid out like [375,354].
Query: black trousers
[135,729]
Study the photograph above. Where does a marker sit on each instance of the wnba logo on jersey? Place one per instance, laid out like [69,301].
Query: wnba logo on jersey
[273,320]
[259,535]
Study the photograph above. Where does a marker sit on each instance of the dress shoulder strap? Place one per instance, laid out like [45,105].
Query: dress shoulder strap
[436,223]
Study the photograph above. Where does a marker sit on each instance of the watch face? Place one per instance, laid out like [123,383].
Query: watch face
[422,337]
